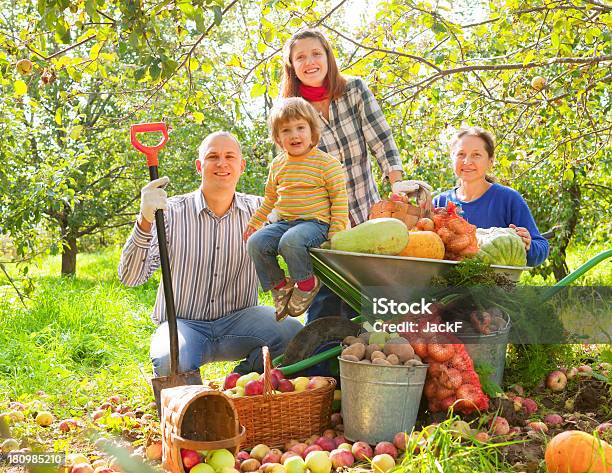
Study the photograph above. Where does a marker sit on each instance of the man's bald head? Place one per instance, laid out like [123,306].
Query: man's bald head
[206,142]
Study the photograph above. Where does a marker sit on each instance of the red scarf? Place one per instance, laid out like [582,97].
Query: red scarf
[314,94]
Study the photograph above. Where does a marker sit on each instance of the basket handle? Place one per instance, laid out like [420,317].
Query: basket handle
[267,372]
[210,444]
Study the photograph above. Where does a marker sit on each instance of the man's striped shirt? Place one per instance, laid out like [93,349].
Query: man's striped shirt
[212,274]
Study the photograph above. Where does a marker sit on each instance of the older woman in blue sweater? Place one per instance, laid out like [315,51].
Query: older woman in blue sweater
[485,203]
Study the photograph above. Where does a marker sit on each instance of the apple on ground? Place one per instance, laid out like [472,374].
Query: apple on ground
[311,448]
[221,458]
[299,448]
[382,463]
[243,455]
[259,451]
[251,464]
[82,468]
[556,381]
[326,443]
[318,462]
[273,456]
[295,465]
[330,433]
[154,451]
[98,463]
[500,426]
[346,446]
[362,451]
[44,419]
[75,458]
[104,469]
[339,440]
[202,468]
[190,458]
[9,445]
[341,458]
[288,454]
[386,447]
[290,443]
[336,418]
[399,440]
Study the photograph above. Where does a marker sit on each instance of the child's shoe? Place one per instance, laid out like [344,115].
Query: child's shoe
[301,300]
[281,298]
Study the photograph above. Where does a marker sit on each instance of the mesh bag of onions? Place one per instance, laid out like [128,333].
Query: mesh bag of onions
[458,236]
[451,379]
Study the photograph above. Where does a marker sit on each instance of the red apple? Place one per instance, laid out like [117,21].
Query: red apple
[537,426]
[273,456]
[312,439]
[190,458]
[529,406]
[605,427]
[285,386]
[290,444]
[67,425]
[482,437]
[278,373]
[299,448]
[311,448]
[339,440]
[553,419]
[230,380]
[571,373]
[154,451]
[500,426]
[326,443]
[386,447]
[317,382]
[274,381]
[286,455]
[253,388]
[242,455]
[399,440]
[341,458]
[556,381]
[82,468]
[336,418]
[329,433]
[362,451]
[114,399]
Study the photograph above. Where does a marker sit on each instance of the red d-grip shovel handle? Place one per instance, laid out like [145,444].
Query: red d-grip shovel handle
[150,152]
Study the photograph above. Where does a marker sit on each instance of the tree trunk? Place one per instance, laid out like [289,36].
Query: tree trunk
[69,255]
[559,266]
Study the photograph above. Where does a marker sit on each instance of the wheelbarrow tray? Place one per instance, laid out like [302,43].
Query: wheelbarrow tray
[366,270]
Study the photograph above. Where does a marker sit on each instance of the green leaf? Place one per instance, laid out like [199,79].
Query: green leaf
[58,116]
[21,88]
[95,50]
[218,15]
[76,132]
[198,117]
[258,90]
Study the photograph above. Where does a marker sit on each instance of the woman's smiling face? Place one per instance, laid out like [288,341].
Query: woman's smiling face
[309,60]
[471,162]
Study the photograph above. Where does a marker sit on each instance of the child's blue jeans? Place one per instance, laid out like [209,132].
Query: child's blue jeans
[291,240]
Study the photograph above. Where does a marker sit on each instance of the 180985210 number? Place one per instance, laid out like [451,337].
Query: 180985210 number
[20,458]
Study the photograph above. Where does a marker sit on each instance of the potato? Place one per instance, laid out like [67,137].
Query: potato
[350,340]
[377,354]
[412,362]
[400,347]
[349,357]
[371,349]
[380,361]
[356,349]
[417,358]
[365,337]
[393,359]
[365,361]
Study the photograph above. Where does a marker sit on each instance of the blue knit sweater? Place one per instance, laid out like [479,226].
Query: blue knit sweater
[499,207]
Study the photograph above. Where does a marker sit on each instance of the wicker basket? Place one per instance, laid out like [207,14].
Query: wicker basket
[197,418]
[273,419]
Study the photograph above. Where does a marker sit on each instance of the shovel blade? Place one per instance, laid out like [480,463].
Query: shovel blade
[172,381]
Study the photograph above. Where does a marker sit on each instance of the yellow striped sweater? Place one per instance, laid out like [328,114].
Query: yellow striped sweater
[309,187]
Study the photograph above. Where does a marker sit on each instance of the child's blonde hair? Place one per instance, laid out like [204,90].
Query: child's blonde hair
[294,108]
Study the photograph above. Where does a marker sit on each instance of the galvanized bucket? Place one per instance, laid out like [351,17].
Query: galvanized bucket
[379,401]
[488,349]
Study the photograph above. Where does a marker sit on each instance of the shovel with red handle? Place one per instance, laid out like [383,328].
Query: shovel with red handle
[174,378]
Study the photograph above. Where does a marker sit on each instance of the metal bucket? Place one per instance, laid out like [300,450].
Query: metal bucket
[379,401]
[488,349]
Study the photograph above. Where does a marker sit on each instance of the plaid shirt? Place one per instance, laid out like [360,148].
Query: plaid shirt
[355,124]
[212,274]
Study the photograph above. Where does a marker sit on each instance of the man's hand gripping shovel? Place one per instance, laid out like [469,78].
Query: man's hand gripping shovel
[175,378]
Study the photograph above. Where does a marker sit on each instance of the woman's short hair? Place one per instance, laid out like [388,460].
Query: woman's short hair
[485,135]
[336,82]
[294,108]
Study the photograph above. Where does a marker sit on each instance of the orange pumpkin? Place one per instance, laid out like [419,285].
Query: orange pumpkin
[574,451]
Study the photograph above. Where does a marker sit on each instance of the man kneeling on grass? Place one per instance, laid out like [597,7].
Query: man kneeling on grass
[213,278]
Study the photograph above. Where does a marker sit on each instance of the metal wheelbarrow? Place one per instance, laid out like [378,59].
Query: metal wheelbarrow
[319,343]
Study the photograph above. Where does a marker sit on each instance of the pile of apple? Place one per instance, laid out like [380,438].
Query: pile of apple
[252,384]
[212,461]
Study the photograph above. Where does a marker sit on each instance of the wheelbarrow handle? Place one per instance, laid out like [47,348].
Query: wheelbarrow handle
[150,152]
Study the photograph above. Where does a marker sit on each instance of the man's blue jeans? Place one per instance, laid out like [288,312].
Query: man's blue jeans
[290,239]
[235,336]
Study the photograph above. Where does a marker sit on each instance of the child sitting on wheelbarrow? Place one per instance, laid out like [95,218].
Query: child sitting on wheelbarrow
[306,190]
